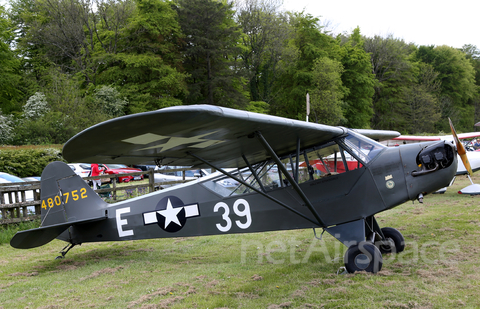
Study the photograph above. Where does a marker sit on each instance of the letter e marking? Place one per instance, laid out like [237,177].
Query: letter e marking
[121,222]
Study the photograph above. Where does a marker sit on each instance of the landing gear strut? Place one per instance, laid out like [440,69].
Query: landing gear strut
[366,243]
[64,252]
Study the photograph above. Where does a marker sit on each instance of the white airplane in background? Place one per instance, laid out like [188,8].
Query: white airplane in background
[473,156]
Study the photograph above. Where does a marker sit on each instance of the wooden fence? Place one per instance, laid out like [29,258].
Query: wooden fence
[15,206]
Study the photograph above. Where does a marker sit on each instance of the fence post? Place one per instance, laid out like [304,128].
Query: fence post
[114,187]
[36,197]
[151,180]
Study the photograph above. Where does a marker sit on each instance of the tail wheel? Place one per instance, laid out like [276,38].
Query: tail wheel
[363,257]
[395,241]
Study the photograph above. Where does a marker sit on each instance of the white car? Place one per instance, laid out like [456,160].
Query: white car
[81,169]
[167,175]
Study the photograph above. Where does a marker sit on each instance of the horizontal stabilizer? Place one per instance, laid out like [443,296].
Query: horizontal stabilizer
[40,236]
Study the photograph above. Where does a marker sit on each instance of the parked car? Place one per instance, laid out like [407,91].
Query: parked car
[167,175]
[113,169]
[81,169]
[8,178]
[145,168]
[32,178]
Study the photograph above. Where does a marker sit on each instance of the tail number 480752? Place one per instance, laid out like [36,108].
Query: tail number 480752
[226,225]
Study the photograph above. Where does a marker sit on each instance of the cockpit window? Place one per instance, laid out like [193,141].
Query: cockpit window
[362,147]
[335,157]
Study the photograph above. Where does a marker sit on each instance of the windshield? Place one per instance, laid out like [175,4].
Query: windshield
[363,147]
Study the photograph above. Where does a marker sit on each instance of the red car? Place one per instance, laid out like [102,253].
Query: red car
[121,169]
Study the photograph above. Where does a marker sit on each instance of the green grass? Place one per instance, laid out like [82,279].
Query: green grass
[8,230]
[440,268]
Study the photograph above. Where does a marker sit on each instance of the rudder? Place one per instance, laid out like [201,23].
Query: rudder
[66,197]
[66,200]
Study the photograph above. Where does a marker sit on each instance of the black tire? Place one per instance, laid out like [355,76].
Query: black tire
[396,237]
[363,257]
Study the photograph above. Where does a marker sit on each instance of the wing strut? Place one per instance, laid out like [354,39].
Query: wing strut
[319,223]
[254,173]
[295,185]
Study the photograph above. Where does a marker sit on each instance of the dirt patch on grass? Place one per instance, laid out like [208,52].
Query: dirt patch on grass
[300,292]
[25,274]
[280,306]
[70,265]
[159,292]
[104,271]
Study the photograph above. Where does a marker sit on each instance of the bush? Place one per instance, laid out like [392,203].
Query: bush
[25,162]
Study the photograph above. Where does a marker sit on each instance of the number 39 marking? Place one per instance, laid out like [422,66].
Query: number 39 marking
[241,213]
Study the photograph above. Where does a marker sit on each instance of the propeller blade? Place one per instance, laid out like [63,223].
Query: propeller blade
[460,149]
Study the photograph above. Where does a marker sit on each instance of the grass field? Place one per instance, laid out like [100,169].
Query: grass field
[440,268]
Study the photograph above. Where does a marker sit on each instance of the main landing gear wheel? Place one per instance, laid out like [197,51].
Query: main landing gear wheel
[394,237]
[363,257]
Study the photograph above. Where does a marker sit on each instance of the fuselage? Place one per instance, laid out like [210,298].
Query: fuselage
[379,181]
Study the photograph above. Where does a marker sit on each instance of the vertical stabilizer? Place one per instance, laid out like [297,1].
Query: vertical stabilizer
[67,200]
[66,197]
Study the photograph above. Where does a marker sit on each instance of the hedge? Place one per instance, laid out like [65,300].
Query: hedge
[25,162]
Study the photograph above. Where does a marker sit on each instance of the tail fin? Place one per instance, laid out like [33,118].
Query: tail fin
[66,200]
[66,197]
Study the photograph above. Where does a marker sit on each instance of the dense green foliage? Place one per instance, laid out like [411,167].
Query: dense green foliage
[93,60]
[18,162]
[9,66]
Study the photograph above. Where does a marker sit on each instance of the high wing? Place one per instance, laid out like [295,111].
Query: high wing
[417,138]
[378,135]
[220,135]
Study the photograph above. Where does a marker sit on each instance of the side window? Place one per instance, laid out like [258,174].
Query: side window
[331,160]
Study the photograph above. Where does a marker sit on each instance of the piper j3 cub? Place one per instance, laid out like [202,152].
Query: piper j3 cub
[273,174]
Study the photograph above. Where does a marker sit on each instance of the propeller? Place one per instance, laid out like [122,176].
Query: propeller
[460,149]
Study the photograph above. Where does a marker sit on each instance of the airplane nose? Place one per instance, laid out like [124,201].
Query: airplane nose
[434,157]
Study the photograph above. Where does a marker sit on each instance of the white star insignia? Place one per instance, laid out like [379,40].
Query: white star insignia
[170,214]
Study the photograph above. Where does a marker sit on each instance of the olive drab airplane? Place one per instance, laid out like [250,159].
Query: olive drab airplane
[282,174]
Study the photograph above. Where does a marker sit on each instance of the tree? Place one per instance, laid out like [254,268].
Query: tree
[326,97]
[306,44]
[6,129]
[9,67]
[394,75]
[110,101]
[54,29]
[472,53]
[35,107]
[258,107]
[358,78]
[210,51]
[146,65]
[422,100]
[457,77]
[264,32]
[132,45]
[54,116]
